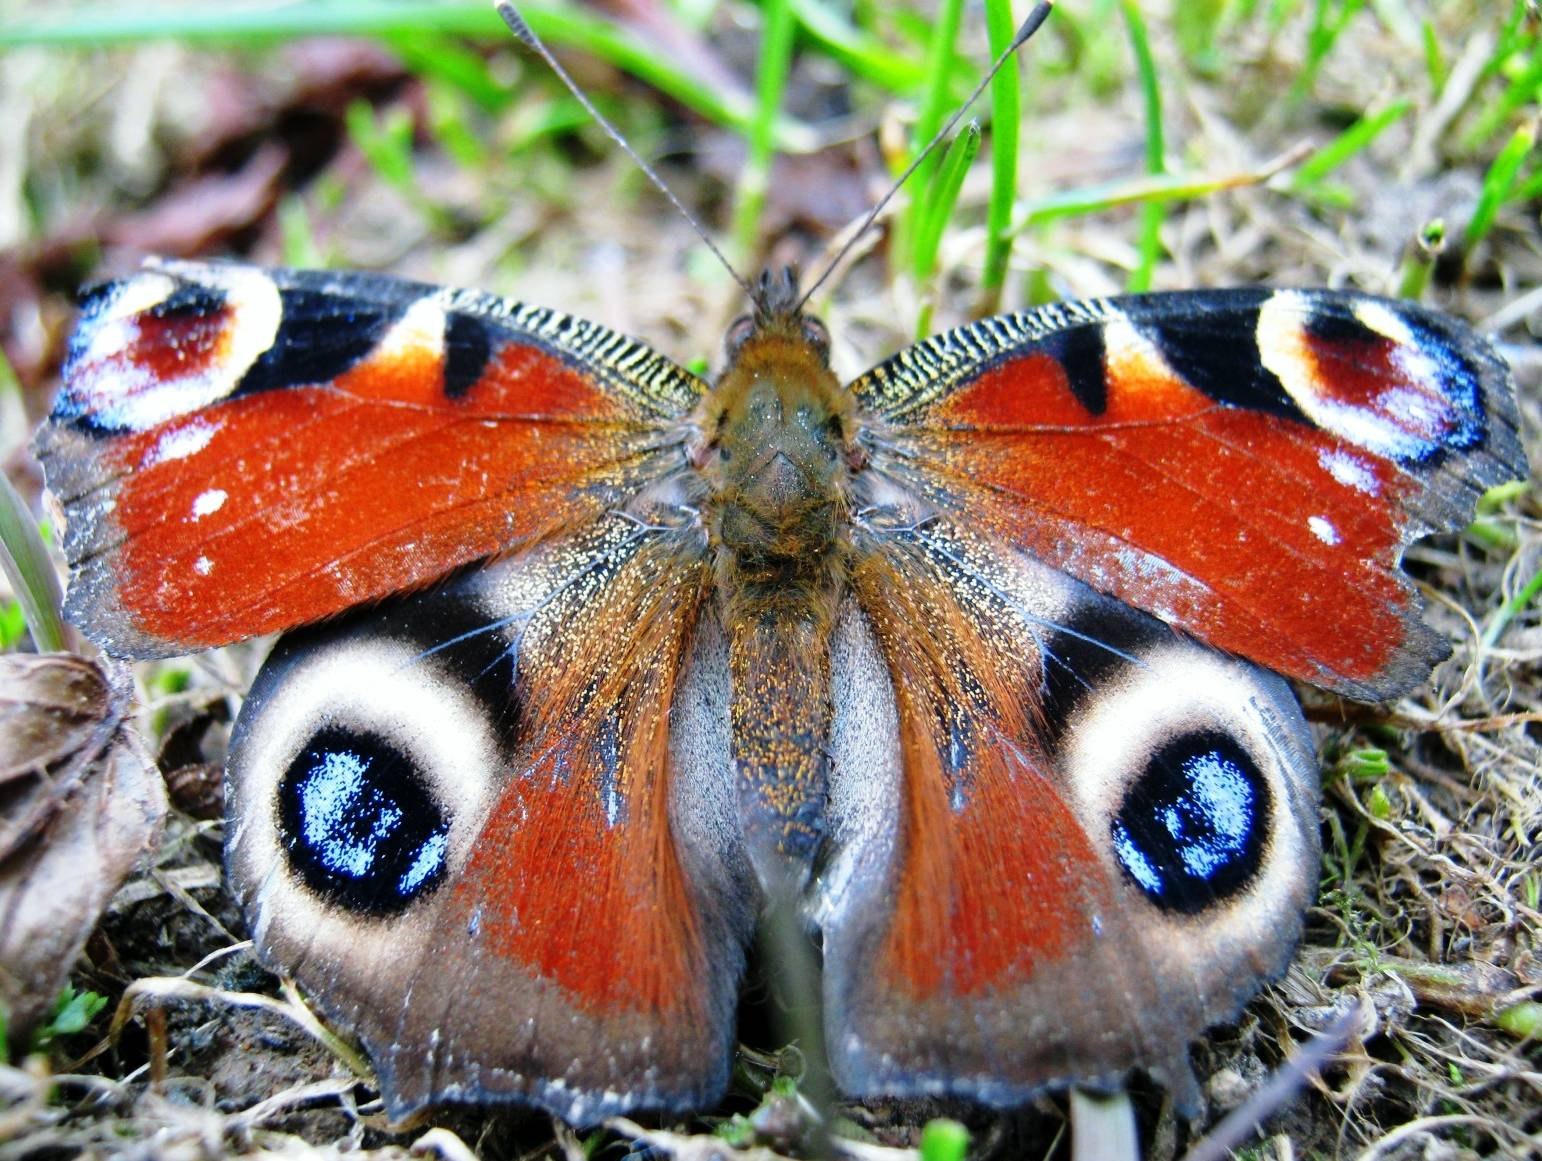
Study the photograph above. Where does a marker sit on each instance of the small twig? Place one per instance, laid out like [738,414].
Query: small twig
[1277,1092]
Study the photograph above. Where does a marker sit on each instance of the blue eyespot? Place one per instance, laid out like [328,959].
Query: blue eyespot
[1192,829]
[360,827]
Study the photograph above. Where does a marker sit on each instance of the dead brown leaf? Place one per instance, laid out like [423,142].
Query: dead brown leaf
[199,215]
[80,803]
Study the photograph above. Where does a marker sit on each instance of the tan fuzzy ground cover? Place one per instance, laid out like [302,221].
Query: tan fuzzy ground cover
[1428,924]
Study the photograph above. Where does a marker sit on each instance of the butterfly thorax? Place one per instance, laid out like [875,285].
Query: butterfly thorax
[776,452]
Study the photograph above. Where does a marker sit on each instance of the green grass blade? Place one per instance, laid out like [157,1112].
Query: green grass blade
[1152,212]
[429,53]
[1094,199]
[95,25]
[385,140]
[298,245]
[942,197]
[1006,104]
[770,81]
[1435,67]
[29,570]
[934,108]
[1499,182]
[1419,264]
[452,126]
[1525,89]
[1329,19]
[864,55]
[1196,23]
[939,203]
[1512,39]
[244,25]
[1530,188]
[1348,143]
[1512,609]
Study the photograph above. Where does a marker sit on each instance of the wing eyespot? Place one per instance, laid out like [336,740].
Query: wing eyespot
[359,825]
[1190,831]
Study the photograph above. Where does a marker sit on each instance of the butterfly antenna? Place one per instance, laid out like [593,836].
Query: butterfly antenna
[527,36]
[1029,26]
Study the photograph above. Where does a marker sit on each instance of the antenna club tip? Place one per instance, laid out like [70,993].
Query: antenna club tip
[1037,17]
[514,20]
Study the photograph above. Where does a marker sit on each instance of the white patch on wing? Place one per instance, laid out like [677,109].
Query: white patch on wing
[131,398]
[1323,530]
[144,291]
[209,502]
[1407,417]
[1130,357]
[203,566]
[1350,470]
[189,439]
[421,328]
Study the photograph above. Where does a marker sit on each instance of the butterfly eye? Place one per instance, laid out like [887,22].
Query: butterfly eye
[739,332]
[359,823]
[817,336]
[1191,828]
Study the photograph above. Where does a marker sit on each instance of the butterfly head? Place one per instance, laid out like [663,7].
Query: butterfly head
[775,438]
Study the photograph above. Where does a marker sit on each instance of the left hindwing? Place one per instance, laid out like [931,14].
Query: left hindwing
[240,450]
[1247,465]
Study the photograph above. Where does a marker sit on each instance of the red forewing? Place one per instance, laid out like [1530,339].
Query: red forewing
[239,451]
[1246,465]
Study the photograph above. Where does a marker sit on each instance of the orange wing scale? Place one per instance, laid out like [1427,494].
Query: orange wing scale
[329,497]
[996,872]
[601,906]
[1234,527]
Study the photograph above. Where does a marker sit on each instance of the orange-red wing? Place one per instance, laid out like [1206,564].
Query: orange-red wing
[1246,465]
[975,907]
[512,892]
[239,450]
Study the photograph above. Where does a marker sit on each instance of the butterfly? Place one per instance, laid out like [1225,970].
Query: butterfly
[979,658]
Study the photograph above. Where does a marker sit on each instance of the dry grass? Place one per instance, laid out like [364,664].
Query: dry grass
[1427,928]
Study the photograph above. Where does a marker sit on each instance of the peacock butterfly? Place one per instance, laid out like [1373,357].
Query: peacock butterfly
[980,657]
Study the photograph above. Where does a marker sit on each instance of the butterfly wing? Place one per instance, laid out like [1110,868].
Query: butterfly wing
[1246,465]
[487,827]
[240,450]
[1068,838]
